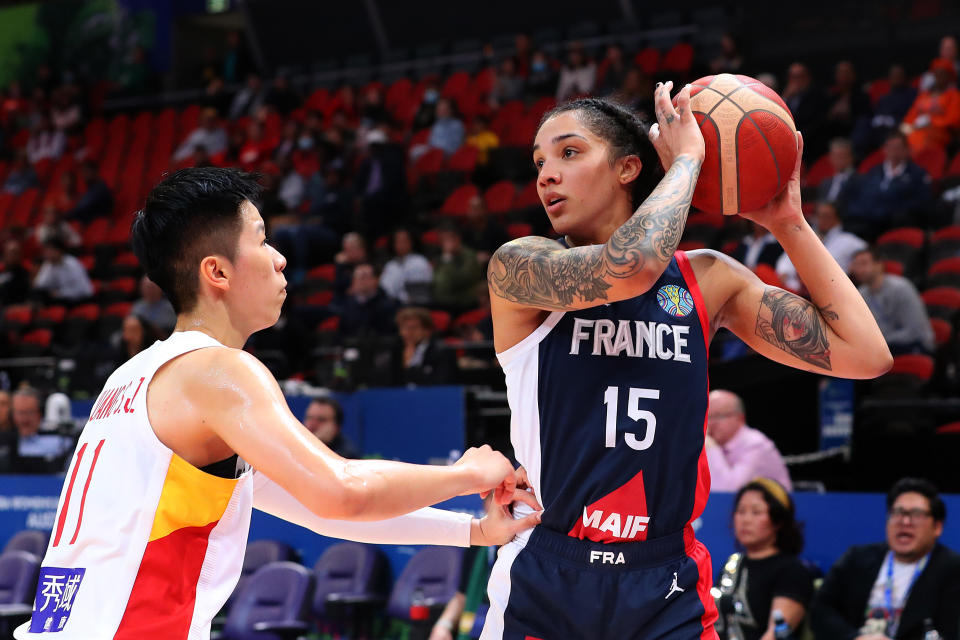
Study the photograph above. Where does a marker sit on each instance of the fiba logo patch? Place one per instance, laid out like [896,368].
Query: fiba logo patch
[675,300]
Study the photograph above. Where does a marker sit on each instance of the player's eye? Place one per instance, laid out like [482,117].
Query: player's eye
[538,163]
[569,152]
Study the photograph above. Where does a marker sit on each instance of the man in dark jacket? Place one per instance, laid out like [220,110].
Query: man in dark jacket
[896,589]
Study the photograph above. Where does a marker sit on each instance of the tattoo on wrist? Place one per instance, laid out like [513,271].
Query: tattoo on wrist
[534,271]
[796,326]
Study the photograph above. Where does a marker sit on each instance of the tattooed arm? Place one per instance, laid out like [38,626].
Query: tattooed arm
[540,273]
[835,334]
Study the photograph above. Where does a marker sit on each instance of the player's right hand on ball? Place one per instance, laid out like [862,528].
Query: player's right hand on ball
[491,472]
[676,131]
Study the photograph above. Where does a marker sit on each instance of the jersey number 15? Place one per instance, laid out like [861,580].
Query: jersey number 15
[611,398]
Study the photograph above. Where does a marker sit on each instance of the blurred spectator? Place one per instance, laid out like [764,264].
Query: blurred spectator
[61,276]
[612,71]
[292,187]
[215,96]
[841,245]
[522,53]
[890,590]
[249,99]
[888,111]
[14,275]
[367,310]
[427,111]
[457,271]
[842,184]
[892,194]
[21,176]
[730,59]
[447,132]
[136,76]
[542,79]
[36,452]
[52,225]
[289,140]
[508,85]
[847,101]
[807,105]
[65,111]
[421,360]
[408,276]
[934,118]
[636,93]
[373,111]
[210,136]
[381,183]
[134,336]
[353,251]
[256,147]
[760,247]
[45,142]
[96,201]
[895,304]
[577,76]
[331,198]
[64,195]
[769,80]
[483,232]
[767,575]
[482,137]
[324,419]
[236,60]
[736,452]
[8,434]
[947,50]
[282,96]
[154,308]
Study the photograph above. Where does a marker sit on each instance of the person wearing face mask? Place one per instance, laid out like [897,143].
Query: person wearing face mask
[898,588]
[542,79]
[766,575]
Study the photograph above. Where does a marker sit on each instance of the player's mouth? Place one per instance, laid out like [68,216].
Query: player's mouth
[553,202]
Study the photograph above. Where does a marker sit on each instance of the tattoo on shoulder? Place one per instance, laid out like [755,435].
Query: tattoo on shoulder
[537,272]
[796,326]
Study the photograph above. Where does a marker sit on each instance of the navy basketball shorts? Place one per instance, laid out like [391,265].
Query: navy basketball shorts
[556,587]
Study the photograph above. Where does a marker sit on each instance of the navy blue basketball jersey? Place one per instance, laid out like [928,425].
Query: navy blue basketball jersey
[609,412]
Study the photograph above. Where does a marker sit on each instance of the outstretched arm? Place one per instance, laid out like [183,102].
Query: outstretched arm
[539,273]
[834,334]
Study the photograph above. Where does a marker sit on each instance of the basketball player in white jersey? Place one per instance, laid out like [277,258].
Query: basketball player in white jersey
[192,433]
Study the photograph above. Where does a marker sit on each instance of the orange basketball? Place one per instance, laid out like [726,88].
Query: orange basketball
[751,143]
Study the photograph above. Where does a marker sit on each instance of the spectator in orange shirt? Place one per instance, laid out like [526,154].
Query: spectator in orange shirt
[934,117]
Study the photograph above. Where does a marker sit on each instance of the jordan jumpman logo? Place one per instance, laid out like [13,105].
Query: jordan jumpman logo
[674,588]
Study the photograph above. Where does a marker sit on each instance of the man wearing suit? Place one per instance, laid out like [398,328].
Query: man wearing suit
[893,590]
[842,184]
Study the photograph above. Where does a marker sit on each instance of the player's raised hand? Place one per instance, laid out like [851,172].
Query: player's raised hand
[491,471]
[500,526]
[786,207]
[676,130]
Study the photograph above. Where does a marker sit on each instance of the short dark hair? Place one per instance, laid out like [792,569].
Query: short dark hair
[782,514]
[925,488]
[331,402]
[871,249]
[896,133]
[29,392]
[626,134]
[191,214]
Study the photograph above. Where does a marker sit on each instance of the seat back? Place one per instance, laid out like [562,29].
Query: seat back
[434,572]
[29,540]
[348,569]
[276,592]
[18,577]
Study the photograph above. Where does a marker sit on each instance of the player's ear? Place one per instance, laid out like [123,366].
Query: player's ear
[629,169]
[215,271]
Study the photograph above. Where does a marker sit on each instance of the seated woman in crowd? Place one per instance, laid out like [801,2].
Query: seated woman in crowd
[767,576]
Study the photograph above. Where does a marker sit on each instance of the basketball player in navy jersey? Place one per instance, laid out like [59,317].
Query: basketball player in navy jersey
[603,338]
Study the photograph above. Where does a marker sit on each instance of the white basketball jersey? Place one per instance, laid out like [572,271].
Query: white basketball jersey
[144,544]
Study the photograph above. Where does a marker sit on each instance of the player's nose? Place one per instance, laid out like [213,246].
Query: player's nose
[548,175]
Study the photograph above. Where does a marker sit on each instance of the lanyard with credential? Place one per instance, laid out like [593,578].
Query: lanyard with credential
[888,588]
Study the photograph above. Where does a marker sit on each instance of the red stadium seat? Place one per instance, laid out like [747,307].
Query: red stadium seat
[428,164]
[819,171]
[871,161]
[88,311]
[441,320]
[39,337]
[521,132]
[320,298]
[913,365]
[519,229]
[933,160]
[942,331]
[21,214]
[947,297]
[950,427]
[893,266]
[16,316]
[877,89]
[505,116]
[471,318]
[540,107]
[648,60]
[456,85]
[945,243]
[499,197]
[397,93]
[463,159]
[430,238]
[528,197]
[946,265]
[326,272]
[118,309]
[330,325]
[953,169]
[484,81]
[50,316]
[458,202]
[678,59]
[910,236]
